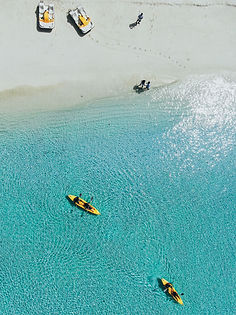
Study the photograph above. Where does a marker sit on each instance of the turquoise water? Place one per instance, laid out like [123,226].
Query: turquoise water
[161,168]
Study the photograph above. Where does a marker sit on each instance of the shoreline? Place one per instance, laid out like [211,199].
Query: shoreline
[172,42]
[66,96]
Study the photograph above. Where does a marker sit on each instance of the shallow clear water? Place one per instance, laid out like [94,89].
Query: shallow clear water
[161,168]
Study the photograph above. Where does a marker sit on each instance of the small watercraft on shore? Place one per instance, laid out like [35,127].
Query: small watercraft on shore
[79,202]
[171,290]
[45,15]
[81,19]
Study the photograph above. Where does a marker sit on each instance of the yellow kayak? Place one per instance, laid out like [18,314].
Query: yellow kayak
[171,290]
[83,204]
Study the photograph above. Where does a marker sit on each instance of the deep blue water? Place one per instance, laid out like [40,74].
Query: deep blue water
[161,168]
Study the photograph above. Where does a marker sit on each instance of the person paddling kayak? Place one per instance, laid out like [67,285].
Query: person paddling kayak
[171,290]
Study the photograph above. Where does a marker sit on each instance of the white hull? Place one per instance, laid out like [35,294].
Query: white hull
[78,15]
[46,16]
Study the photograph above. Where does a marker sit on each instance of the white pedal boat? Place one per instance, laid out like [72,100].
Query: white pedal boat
[46,15]
[82,20]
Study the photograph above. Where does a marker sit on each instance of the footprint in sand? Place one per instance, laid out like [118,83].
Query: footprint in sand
[109,44]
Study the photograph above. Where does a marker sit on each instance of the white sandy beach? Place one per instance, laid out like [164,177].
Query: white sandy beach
[175,39]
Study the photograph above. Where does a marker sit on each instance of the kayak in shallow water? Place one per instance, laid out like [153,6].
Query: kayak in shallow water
[171,290]
[79,202]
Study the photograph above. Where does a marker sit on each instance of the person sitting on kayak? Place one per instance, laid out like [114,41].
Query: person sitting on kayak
[167,286]
[175,294]
[87,205]
[76,199]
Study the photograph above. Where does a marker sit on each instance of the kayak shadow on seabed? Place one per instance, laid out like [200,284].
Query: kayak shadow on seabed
[70,201]
[155,283]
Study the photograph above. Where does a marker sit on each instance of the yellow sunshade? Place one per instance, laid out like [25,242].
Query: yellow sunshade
[46,17]
[83,20]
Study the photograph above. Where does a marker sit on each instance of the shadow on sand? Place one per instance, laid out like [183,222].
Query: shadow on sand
[138,89]
[132,25]
[39,29]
